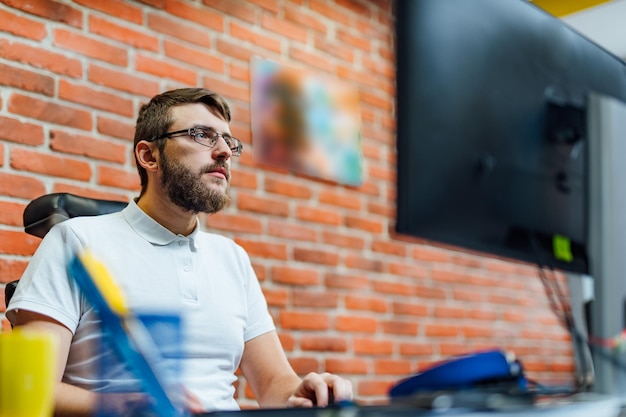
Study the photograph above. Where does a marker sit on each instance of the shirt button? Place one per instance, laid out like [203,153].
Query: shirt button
[187,268]
[181,243]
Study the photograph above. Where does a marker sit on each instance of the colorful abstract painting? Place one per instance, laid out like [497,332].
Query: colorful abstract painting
[306,122]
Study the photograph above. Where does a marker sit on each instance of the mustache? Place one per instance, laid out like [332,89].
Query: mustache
[217,166]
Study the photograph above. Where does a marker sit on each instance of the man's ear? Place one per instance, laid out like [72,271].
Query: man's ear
[147,155]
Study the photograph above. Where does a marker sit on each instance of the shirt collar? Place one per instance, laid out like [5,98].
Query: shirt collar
[153,231]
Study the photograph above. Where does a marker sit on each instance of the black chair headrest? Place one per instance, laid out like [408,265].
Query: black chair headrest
[44,212]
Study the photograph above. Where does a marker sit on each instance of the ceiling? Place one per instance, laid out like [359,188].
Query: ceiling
[602,21]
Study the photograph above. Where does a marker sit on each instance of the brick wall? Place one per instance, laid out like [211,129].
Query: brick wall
[347,295]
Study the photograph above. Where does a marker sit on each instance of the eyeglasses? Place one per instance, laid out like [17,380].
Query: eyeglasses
[205,136]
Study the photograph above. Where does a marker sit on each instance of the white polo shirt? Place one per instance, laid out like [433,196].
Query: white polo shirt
[205,276]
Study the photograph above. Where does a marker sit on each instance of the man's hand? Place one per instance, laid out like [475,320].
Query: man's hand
[320,390]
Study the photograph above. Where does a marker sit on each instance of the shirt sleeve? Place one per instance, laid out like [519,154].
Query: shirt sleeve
[46,287]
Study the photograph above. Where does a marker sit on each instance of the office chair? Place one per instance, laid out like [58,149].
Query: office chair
[47,210]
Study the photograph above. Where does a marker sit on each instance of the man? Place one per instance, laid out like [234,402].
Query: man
[157,253]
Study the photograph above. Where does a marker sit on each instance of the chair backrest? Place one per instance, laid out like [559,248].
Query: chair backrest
[47,210]
[44,212]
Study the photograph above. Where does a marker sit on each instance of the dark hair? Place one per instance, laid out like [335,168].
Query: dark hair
[155,118]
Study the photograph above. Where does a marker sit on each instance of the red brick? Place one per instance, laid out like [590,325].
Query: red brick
[22,26]
[14,185]
[287,188]
[84,145]
[294,276]
[416,349]
[375,387]
[94,98]
[11,269]
[304,18]
[235,9]
[359,9]
[409,269]
[249,202]
[263,249]
[328,10]
[234,50]
[234,222]
[430,254]
[373,304]
[160,68]
[397,327]
[56,166]
[303,321]
[393,288]
[196,56]
[356,324]
[41,58]
[234,91]
[313,214]
[91,47]
[118,9]
[370,346]
[303,366]
[389,248]
[17,243]
[346,366]
[341,198]
[21,132]
[366,224]
[352,39]
[292,231]
[26,80]
[392,367]
[206,18]
[276,297]
[365,263]
[124,34]
[315,299]
[441,330]
[244,179]
[269,5]
[11,213]
[121,80]
[50,112]
[182,29]
[118,178]
[324,343]
[343,240]
[256,38]
[355,282]
[240,72]
[311,59]
[316,256]
[115,128]
[410,309]
[159,4]
[381,173]
[49,9]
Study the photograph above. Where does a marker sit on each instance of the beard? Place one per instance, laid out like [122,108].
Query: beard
[186,189]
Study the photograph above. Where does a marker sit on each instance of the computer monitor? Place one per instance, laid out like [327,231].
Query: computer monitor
[491,122]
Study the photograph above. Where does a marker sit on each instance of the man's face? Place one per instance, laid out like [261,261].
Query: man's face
[195,177]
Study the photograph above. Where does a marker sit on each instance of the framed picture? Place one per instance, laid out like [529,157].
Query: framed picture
[306,123]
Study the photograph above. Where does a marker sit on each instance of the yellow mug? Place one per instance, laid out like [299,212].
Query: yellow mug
[27,374]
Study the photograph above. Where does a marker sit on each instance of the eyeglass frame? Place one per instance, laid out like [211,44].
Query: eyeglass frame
[232,142]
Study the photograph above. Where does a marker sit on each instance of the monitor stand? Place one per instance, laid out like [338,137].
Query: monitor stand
[606,149]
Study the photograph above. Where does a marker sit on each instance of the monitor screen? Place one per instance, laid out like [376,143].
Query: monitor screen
[491,152]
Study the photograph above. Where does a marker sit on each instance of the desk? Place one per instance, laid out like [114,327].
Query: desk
[581,406]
